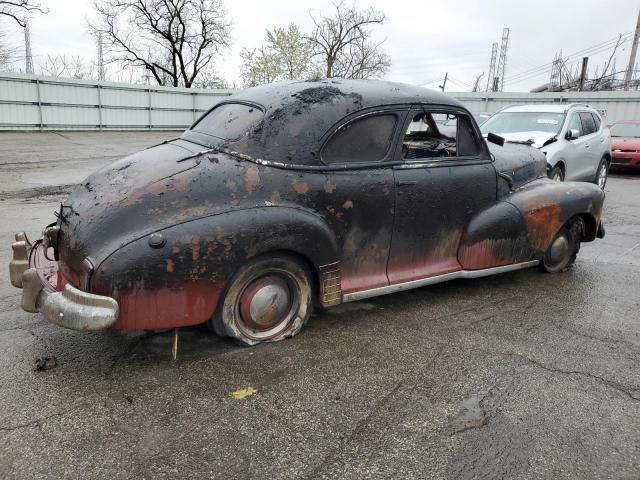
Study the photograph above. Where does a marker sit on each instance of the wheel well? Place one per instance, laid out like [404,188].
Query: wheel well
[607,157]
[590,227]
[560,164]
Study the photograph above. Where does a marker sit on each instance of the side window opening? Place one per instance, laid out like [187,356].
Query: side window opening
[365,139]
[596,119]
[432,135]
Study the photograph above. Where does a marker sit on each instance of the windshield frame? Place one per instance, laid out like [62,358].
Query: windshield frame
[562,117]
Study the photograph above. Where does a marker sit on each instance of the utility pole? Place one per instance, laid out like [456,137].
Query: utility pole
[100,59]
[492,66]
[27,48]
[444,84]
[632,57]
[583,73]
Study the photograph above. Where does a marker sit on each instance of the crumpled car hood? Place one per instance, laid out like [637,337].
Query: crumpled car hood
[539,138]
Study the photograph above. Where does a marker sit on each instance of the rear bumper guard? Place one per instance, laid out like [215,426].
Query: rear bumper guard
[69,307]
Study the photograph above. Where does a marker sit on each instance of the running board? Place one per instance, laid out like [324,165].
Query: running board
[399,287]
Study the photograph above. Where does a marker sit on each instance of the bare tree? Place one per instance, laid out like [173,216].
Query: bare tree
[287,55]
[174,40]
[68,67]
[343,42]
[20,9]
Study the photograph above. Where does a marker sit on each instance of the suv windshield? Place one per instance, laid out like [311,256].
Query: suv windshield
[625,130]
[229,121]
[515,122]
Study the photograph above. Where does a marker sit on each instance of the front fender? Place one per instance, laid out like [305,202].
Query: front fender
[547,206]
[521,226]
[179,280]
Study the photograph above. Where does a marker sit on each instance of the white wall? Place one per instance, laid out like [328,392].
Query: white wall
[30,102]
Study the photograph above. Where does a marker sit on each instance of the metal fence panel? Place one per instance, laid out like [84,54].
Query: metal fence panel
[30,102]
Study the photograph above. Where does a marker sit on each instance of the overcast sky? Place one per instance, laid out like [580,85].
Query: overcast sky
[425,38]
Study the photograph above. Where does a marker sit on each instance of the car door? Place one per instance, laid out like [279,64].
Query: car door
[357,194]
[441,181]
[592,142]
[576,151]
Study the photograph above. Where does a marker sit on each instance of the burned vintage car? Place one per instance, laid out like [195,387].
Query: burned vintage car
[294,195]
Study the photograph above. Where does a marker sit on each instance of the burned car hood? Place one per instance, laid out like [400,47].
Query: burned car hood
[154,189]
[522,163]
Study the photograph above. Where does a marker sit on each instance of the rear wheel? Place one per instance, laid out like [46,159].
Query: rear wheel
[556,174]
[602,174]
[268,299]
[564,248]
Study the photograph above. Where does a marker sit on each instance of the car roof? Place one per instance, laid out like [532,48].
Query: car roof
[545,108]
[298,114]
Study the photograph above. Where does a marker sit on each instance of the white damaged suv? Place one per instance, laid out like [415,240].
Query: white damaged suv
[573,137]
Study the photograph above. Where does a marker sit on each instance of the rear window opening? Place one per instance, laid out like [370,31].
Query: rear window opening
[229,121]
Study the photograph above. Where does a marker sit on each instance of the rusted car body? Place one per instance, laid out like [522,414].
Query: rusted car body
[295,194]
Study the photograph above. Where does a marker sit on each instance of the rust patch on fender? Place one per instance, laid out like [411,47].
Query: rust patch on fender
[170,266]
[300,187]
[543,223]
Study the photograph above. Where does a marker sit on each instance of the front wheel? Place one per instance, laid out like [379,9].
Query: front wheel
[556,174]
[268,299]
[564,248]
[602,174]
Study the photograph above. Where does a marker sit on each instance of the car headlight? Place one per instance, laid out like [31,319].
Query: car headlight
[617,150]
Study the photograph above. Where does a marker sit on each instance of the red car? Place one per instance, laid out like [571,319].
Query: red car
[625,145]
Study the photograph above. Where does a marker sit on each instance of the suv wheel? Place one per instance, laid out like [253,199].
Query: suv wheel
[556,174]
[602,174]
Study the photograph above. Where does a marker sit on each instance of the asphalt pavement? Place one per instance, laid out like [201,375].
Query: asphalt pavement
[520,376]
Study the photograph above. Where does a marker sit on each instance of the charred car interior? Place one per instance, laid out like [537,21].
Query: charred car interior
[297,194]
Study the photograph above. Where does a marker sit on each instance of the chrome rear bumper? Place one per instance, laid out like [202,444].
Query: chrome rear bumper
[69,307]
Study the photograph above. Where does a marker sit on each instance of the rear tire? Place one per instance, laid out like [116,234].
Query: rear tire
[564,248]
[267,300]
[602,174]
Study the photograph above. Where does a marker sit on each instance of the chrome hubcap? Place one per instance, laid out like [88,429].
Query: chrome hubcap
[266,303]
[559,250]
[557,177]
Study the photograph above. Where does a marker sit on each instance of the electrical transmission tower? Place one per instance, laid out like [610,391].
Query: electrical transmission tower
[27,48]
[100,59]
[502,62]
[492,66]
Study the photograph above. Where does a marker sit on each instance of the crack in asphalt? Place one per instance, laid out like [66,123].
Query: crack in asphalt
[37,422]
[628,391]
[364,420]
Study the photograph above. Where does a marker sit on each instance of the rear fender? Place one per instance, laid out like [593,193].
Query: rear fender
[180,280]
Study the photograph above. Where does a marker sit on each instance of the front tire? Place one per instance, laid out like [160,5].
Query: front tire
[268,299]
[602,174]
[564,248]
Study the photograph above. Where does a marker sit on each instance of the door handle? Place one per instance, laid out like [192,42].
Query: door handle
[406,183]
[586,145]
